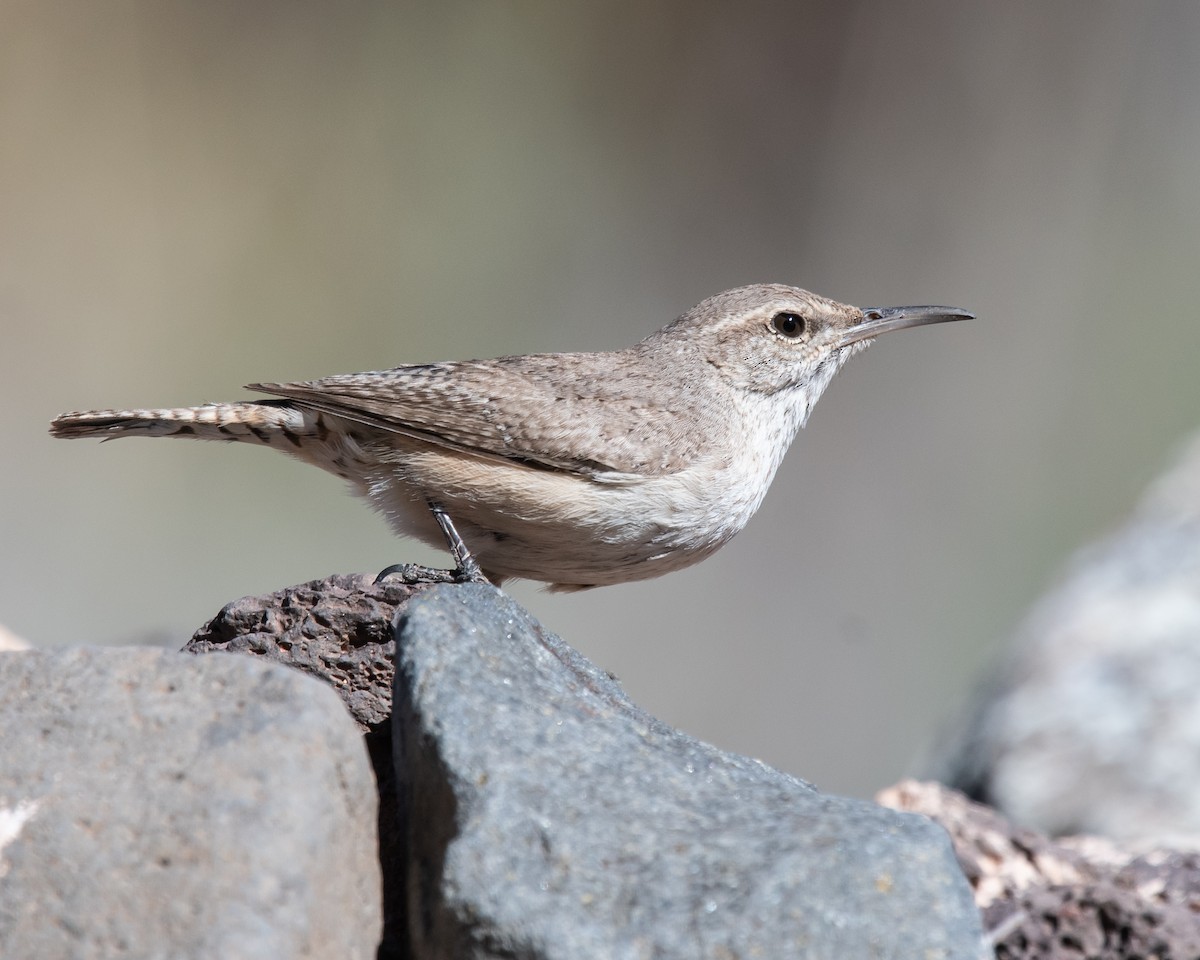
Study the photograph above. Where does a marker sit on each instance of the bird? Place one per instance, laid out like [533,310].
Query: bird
[577,470]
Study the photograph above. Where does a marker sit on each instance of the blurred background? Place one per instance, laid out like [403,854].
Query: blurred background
[196,195]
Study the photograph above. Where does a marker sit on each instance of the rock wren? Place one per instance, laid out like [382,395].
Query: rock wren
[576,469]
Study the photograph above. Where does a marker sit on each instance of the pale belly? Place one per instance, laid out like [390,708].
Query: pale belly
[561,528]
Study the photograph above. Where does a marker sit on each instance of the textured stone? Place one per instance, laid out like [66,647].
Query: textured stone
[1091,723]
[551,818]
[337,629]
[156,805]
[1067,899]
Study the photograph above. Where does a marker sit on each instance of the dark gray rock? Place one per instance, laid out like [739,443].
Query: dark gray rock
[156,805]
[551,818]
[1091,722]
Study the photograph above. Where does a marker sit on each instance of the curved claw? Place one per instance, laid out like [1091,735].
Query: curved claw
[466,570]
[416,573]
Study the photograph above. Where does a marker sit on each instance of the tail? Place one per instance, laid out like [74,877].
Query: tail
[265,421]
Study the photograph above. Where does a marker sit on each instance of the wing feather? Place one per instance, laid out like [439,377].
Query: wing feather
[534,409]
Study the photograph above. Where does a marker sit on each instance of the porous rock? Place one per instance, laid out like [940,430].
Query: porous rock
[154,805]
[549,817]
[337,629]
[1069,898]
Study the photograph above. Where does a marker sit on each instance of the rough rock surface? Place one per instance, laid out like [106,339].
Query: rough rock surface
[551,818]
[1091,724]
[338,629]
[1068,899]
[155,805]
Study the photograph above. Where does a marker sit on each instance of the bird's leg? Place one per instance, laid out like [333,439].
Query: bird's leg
[466,567]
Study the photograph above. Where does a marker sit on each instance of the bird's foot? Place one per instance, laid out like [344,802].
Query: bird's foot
[417,573]
[466,567]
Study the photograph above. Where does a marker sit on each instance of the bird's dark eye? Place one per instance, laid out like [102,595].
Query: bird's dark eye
[789,324]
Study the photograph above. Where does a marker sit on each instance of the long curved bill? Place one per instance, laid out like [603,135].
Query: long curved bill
[880,320]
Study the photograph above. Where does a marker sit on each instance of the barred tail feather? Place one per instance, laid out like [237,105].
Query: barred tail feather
[260,422]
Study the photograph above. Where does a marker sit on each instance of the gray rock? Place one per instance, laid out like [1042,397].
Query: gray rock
[551,818]
[1091,723]
[156,805]
[338,630]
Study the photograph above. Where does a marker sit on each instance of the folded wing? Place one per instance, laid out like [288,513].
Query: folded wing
[533,409]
